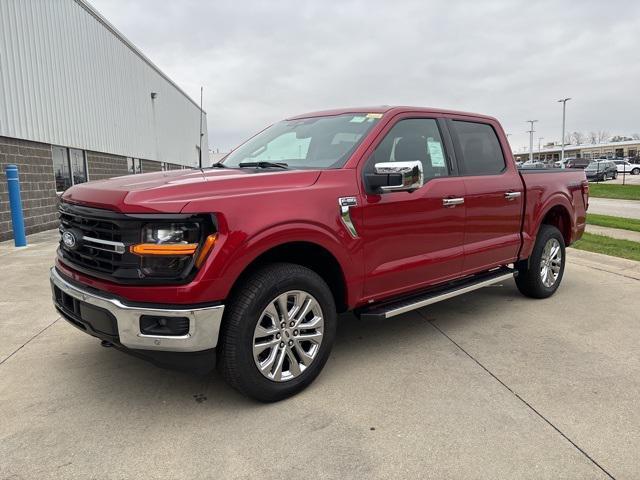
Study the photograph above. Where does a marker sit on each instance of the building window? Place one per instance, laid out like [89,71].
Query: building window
[61,168]
[134,165]
[69,167]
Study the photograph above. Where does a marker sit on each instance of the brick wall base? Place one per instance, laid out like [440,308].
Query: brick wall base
[37,185]
[104,165]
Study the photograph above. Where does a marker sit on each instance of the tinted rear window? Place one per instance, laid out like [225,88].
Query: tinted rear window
[481,150]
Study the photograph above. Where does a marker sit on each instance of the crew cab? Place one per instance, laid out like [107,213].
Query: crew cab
[247,263]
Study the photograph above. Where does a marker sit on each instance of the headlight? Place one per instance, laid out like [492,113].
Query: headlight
[168,239]
[168,249]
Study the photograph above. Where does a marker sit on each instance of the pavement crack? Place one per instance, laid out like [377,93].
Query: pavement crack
[27,342]
[514,393]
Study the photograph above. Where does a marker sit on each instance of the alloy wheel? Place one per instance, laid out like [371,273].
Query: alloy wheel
[551,262]
[288,335]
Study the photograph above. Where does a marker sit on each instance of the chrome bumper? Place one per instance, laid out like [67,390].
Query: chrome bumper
[204,323]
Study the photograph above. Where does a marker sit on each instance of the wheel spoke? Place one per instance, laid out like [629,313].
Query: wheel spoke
[266,366]
[282,304]
[311,337]
[258,348]
[304,311]
[305,358]
[277,374]
[315,322]
[294,367]
[262,332]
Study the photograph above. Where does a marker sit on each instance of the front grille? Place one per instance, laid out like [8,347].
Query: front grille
[105,238]
[101,230]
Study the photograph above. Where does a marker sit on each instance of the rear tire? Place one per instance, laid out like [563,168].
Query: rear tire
[635,171]
[254,318]
[541,274]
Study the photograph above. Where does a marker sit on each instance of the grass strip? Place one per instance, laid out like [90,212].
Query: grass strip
[622,192]
[632,224]
[609,246]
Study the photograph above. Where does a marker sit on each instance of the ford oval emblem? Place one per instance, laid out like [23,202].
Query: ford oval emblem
[69,239]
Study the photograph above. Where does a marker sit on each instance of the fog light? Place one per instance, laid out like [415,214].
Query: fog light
[167,326]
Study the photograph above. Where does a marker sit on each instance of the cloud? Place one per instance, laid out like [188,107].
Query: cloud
[261,61]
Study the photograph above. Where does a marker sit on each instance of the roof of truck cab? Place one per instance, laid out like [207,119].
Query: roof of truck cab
[384,109]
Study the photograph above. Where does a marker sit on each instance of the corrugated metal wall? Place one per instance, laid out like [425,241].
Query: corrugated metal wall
[67,79]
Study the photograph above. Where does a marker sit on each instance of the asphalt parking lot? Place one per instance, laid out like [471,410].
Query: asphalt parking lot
[489,385]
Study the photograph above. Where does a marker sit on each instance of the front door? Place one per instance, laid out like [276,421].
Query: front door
[412,240]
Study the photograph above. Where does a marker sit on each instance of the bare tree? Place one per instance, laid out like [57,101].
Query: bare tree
[603,136]
[636,136]
[593,137]
[578,138]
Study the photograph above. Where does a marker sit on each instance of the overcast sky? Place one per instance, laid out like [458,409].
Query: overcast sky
[261,61]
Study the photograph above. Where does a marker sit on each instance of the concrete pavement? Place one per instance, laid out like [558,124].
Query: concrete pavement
[488,385]
[614,207]
[618,233]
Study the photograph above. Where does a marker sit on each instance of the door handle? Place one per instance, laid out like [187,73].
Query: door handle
[452,202]
[512,195]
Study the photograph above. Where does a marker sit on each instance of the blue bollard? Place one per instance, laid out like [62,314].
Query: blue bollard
[17,219]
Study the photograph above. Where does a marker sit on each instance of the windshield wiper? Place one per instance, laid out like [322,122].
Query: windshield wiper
[218,165]
[263,164]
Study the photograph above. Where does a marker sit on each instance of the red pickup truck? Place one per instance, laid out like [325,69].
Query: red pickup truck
[247,263]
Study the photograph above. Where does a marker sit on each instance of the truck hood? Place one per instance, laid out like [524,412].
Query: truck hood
[171,191]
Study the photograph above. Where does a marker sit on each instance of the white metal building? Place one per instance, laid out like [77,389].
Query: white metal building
[79,101]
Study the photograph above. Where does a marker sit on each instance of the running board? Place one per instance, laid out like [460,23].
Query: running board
[437,294]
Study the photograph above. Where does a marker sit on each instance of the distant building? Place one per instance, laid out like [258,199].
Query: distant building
[627,149]
[79,102]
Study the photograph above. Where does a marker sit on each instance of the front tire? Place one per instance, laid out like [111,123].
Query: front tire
[541,274]
[277,332]
[635,171]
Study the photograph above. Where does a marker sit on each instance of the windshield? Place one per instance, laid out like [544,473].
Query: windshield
[596,166]
[319,142]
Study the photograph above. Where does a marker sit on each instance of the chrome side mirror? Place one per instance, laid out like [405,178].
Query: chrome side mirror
[397,176]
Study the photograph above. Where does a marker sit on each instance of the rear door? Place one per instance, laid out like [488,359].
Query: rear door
[494,195]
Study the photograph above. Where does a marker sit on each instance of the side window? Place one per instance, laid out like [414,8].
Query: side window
[410,140]
[481,150]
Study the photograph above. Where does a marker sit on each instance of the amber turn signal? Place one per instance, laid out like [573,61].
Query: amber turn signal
[174,249]
[206,248]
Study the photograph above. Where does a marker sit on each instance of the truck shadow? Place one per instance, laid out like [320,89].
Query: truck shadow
[356,340]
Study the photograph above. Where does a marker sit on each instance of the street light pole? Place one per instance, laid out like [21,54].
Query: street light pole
[564,116]
[531,132]
[539,155]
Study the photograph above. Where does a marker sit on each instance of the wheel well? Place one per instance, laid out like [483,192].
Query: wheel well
[310,255]
[559,217]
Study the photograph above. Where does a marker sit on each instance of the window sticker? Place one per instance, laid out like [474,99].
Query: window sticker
[435,151]
[374,115]
[358,119]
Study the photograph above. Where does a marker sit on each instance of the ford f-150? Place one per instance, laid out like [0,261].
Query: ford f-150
[247,263]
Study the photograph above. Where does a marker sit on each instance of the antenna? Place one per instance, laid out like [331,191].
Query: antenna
[201,134]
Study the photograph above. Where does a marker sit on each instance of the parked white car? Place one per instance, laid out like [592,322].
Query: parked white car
[625,167]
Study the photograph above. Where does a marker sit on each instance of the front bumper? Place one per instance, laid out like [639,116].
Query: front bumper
[114,320]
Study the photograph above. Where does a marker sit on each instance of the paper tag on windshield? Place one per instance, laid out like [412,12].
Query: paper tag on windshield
[435,151]
[358,119]
[374,115]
